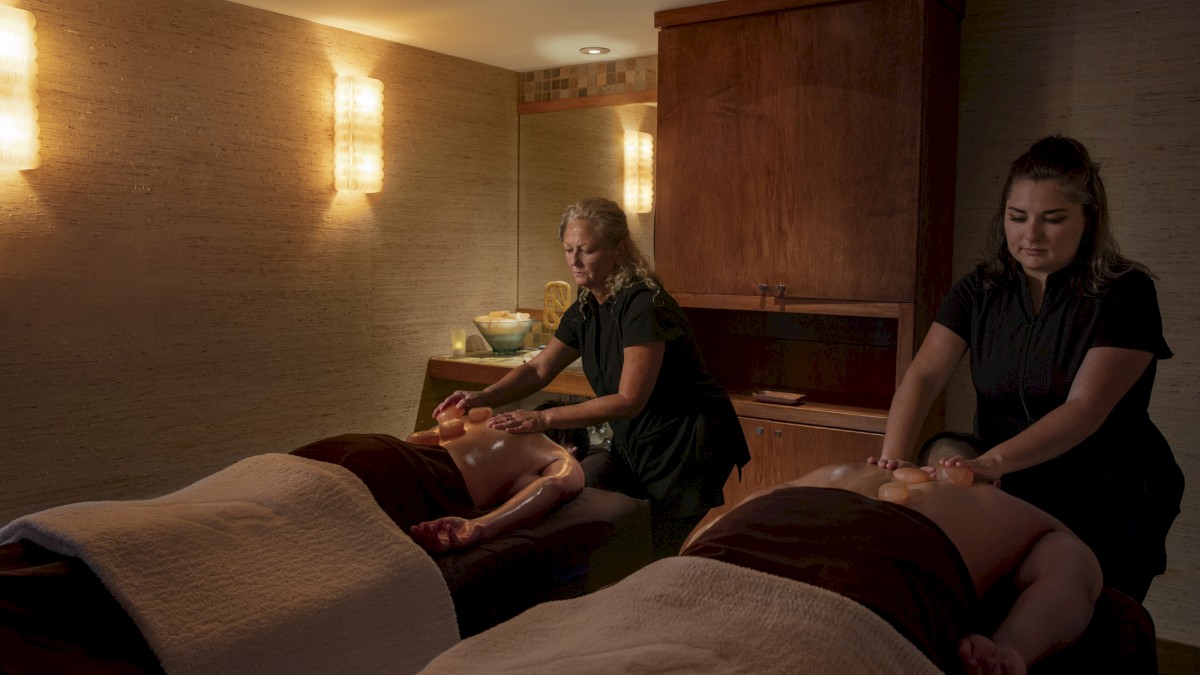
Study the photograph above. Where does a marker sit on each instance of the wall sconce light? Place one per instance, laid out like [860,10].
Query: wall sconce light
[639,172]
[358,134]
[18,90]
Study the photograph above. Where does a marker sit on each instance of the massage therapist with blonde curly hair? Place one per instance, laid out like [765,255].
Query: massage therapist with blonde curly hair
[676,436]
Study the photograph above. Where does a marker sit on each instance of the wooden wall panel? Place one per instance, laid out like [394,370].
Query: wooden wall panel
[181,286]
[1124,78]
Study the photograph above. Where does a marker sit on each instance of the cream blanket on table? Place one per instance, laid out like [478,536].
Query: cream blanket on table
[276,564]
[692,615]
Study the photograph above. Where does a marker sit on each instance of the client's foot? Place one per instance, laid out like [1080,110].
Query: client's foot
[981,656]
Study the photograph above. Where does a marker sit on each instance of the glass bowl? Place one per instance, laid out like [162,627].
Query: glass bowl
[505,336]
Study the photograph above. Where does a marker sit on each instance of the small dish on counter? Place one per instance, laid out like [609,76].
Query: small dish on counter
[780,397]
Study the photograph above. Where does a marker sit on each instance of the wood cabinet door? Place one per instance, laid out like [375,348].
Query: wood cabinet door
[797,449]
[717,121]
[755,475]
[789,152]
[780,451]
[788,451]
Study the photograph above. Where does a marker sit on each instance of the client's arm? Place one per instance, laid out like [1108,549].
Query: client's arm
[1058,583]
[561,481]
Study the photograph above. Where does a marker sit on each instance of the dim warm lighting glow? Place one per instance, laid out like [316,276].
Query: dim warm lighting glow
[358,134]
[639,172]
[458,341]
[18,90]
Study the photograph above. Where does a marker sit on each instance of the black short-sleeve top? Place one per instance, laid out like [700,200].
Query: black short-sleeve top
[1023,363]
[688,431]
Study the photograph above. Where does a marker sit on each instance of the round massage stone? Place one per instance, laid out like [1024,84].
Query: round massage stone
[895,492]
[910,475]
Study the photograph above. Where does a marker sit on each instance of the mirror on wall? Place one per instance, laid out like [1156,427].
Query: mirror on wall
[566,155]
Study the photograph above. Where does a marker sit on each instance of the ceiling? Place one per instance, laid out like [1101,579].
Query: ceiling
[520,35]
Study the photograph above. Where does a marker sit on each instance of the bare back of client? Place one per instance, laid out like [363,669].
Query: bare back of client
[520,477]
[494,464]
[992,530]
[997,536]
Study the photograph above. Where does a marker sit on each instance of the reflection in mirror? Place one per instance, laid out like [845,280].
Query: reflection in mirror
[565,156]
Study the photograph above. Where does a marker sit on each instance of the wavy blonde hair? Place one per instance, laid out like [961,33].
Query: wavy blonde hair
[613,227]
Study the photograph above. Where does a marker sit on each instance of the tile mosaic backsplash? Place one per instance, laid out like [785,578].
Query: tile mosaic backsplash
[593,79]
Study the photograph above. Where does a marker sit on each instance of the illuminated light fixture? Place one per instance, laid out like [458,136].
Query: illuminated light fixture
[18,90]
[639,172]
[358,134]
[594,51]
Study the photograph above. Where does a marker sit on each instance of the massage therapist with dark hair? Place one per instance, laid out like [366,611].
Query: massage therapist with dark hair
[1064,335]
[676,436]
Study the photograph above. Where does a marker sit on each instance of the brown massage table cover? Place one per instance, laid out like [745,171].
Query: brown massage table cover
[907,588]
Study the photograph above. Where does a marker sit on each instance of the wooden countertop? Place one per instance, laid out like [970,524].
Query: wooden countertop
[486,368]
[816,413]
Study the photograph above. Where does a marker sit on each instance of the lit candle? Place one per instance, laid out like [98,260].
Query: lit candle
[458,341]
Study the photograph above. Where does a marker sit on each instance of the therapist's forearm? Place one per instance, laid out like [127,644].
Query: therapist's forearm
[924,380]
[1060,430]
[909,407]
[591,412]
[518,383]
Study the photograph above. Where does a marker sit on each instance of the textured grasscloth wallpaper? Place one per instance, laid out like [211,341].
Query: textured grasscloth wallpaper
[181,286]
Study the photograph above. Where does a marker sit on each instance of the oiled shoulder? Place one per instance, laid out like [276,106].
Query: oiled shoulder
[858,477]
[991,530]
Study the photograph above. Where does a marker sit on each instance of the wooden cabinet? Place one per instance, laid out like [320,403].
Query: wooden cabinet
[805,199]
[809,150]
[780,451]
[788,145]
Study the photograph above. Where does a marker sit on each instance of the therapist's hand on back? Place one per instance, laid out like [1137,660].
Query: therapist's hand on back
[519,421]
[463,400]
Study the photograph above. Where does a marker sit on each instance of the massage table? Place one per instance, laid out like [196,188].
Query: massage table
[738,601]
[682,614]
[593,540]
[60,613]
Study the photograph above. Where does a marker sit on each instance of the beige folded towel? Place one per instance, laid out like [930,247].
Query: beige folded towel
[693,616]
[276,564]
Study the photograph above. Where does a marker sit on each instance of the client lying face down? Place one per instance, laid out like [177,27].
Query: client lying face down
[519,477]
[920,547]
[459,483]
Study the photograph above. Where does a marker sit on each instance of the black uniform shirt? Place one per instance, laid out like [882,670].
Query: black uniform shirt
[687,437]
[1120,488]
[1023,364]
